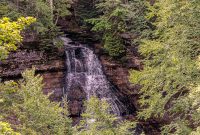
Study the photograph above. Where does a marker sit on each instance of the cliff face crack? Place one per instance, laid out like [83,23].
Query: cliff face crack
[85,78]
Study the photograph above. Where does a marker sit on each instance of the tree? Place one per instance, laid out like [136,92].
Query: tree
[5,129]
[84,10]
[118,17]
[197,132]
[111,23]
[61,9]
[7,11]
[47,13]
[10,34]
[36,113]
[98,121]
[171,71]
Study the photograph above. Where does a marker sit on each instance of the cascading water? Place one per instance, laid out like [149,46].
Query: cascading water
[84,71]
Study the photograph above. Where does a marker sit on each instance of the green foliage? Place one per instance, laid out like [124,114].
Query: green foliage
[8,96]
[5,129]
[113,45]
[111,23]
[6,10]
[118,17]
[171,72]
[36,113]
[47,13]
[83,10]
[98,121]
[10,34]
[61,8]
[197,132]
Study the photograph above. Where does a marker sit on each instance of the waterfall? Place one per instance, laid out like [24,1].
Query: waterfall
[84,71]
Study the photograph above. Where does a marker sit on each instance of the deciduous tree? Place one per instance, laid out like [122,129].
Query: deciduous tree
[10,34]
[171,71]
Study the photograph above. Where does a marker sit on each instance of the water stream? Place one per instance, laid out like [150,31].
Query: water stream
[84,71]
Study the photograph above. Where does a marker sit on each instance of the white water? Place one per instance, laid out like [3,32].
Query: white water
[85,70]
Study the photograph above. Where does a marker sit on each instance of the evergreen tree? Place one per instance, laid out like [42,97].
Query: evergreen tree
[118,17]
[61,9]
[111,23]
[83,10]
[36,113]
[98,121]
[171,72]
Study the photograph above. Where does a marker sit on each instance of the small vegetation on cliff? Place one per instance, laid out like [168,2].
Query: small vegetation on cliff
[5,129]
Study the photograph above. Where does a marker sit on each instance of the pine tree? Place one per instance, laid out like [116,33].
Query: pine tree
[84,10]
[61,9]
[118,17]
[36,113]
[111,23]
[98,121]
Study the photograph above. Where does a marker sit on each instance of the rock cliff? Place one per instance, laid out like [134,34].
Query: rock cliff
[50,66]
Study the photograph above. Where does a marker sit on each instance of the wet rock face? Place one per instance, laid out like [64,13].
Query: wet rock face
[119,76]
[118,73]
[84,76]
[76,99]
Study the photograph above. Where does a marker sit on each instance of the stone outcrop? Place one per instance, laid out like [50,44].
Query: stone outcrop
[53,83]
[76,101]
[51,67]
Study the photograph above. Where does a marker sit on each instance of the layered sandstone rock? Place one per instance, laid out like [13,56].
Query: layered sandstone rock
[50,67]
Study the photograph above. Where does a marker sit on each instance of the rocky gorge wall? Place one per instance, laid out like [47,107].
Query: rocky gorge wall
[52,68]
